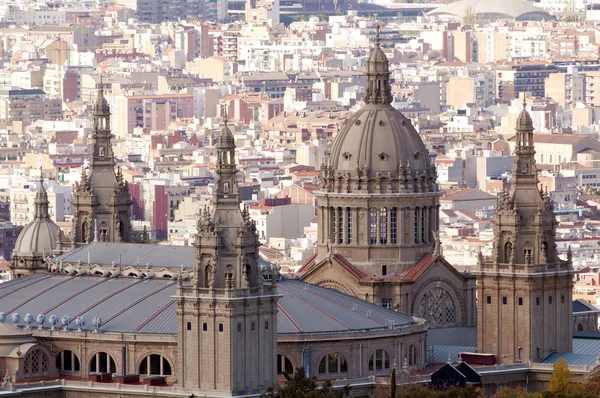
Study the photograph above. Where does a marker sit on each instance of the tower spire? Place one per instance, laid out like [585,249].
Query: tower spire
[378,90]
[41,200]
[225,176]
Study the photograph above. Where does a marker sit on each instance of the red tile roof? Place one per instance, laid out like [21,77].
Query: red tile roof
[420,267]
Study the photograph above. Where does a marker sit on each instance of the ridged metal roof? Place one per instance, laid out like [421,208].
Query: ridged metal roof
[442,352]
[571,358]
[134,254]
[129,305]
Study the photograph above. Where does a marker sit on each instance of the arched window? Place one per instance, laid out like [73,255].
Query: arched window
[334,362]
[379,361]
[411,355]
[225,187]
[67,361]
[229,272]
[580,327]
[438,307]
[101,151]
[507,252]
[35,364]
[102,363]
[545,248]
[284,365]
[155,365]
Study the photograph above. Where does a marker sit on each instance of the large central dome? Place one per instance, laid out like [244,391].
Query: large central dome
[378,197]
[382,140]
[378,144]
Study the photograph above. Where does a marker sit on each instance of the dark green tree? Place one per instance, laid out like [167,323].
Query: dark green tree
[300,386]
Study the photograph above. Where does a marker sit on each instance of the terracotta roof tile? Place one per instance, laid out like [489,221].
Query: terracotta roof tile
[414,272]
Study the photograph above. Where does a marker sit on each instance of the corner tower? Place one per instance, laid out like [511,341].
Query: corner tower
[378,197]
[101,200]
[227,316]
[524,291]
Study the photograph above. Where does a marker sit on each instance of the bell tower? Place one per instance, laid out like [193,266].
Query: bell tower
[101,200]
[524,291]
[227,313]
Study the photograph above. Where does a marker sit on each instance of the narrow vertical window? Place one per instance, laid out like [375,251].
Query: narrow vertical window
[349,222]
[416,222]
[333,237]
[423,211]
[372,225]
[340,225]
[383,225]
[394,225]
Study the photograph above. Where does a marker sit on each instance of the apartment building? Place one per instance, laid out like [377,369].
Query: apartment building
[28,105]
[149,111]
[566,88]
[512,78]
[478,90]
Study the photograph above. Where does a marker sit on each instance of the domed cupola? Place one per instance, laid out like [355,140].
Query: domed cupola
[524,122]
[101,107]
[378,197]
[378,150]
[37,239]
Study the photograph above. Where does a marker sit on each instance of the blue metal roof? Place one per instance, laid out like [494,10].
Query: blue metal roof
[441,352]
[129,305]
[571,359]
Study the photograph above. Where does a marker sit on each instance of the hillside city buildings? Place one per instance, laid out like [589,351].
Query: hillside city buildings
[259,186]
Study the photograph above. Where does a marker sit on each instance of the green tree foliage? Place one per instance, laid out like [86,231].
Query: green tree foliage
[299,386]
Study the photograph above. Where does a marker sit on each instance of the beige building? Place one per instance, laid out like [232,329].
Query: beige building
[463,46]
[554,149]
[592,88]
[524,289]
[493,46]
[219,69]
[27,106]
[479,90]
[566,88]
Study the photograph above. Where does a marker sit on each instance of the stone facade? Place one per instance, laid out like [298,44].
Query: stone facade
[524,290]
[227,317]
[101,200]
[378,212]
